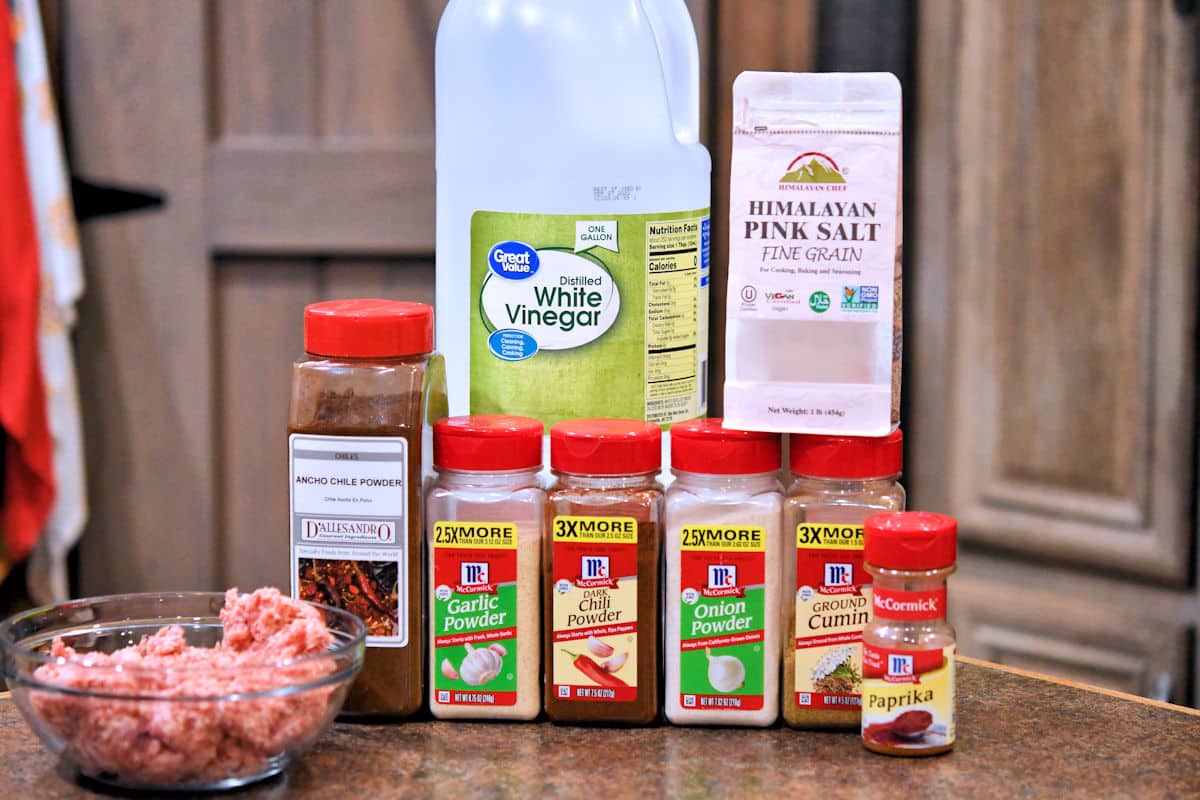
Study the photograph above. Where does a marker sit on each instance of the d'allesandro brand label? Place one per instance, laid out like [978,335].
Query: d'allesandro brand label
[721,616]
[594,612]
[611,311]
[349,528]
[908,697]
[833,604]
[475,613]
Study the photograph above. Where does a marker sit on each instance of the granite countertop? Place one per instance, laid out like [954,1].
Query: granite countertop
[1019,735]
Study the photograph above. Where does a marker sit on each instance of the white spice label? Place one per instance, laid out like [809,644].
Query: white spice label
[349,536]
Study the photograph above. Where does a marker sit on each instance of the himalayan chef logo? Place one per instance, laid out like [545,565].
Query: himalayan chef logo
[813,167]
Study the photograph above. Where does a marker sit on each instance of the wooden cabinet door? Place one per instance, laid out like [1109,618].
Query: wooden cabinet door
[1054,291]
[294,142]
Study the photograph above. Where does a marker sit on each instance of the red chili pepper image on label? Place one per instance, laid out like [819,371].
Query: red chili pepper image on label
[594,671]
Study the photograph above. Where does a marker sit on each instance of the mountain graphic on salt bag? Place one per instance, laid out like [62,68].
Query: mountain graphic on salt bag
[813,172]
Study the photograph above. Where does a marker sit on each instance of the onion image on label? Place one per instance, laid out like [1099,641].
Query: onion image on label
[725,673]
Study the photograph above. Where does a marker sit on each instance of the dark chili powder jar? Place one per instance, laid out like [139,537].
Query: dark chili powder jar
[601,562]
[364,396]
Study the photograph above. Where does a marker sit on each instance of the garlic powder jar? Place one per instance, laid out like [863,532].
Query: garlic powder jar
[484,538]
[724,547]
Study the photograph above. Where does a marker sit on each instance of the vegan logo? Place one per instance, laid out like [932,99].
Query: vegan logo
[818,302]
[813,167]
[860,298]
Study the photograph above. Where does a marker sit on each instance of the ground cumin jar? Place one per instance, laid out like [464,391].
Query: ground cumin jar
[484,517]
[723,551]
[363,397]
[601,557]
[839,482]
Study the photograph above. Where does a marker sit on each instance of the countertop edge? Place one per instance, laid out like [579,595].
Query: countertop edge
[1041,676]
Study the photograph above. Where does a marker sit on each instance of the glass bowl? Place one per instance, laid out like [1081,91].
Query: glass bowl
[229,726]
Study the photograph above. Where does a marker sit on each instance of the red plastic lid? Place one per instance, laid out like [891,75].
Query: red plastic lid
[368,328]
[606,447]
[847,456]
[910,540]
[487,442]
[703,446]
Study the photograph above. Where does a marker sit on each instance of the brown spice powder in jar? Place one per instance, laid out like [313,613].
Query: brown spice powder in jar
[601,559]
[362,396]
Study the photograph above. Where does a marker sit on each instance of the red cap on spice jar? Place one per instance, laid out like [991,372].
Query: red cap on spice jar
[606,447]
[487,442]
[910,540]
[368,328]
[703,446]
[847,456]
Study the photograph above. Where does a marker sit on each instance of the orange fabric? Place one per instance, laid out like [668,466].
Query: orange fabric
[28,452]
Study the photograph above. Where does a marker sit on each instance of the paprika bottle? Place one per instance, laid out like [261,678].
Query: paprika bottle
[908,647]
[364,397]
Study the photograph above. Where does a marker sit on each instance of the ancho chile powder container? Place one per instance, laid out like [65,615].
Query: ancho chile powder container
[600,578]
[363,396]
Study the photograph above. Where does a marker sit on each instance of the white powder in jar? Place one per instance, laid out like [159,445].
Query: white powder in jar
[723,562]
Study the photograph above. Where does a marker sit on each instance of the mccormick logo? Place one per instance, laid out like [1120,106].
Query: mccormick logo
[860,298]
[594,573]
[815,171]
[722,582]
[899,666]
[474,579]
[839,578]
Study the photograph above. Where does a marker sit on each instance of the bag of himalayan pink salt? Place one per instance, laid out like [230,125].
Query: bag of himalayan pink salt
[813,317]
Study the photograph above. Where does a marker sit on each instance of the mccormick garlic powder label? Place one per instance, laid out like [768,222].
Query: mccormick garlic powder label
[475,613]
[594,611]
[721,617]
[833,604]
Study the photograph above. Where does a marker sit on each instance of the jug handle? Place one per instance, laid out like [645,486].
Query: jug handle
[679,56]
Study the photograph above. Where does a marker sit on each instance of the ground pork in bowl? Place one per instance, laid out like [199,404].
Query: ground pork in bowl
[190,690]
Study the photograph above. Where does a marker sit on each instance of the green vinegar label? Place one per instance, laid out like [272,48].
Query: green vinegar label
[475,613]
[589,315]
[721,617]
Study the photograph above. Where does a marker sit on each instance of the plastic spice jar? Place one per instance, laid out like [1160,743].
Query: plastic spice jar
[908,648]
[363,397]
[840,481]
[484,515]
[601,571]
[723,551]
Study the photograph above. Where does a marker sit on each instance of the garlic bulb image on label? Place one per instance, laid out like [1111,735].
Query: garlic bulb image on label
[725,673]
[480,666]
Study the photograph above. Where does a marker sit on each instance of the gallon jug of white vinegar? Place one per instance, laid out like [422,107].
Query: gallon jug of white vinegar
[572,210]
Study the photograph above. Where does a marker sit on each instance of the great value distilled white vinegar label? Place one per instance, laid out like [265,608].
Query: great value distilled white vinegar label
[814,249]
[349,528]
[589,316]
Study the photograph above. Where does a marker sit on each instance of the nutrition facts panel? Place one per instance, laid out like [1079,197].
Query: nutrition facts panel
[672,319]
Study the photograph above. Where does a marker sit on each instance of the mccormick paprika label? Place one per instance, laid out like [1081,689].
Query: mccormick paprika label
[475,613]
[908,697]
[721,617]
[833,604]
[594,613]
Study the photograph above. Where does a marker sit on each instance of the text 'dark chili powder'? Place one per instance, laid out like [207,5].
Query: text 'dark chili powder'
[601,577]
[362,396]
